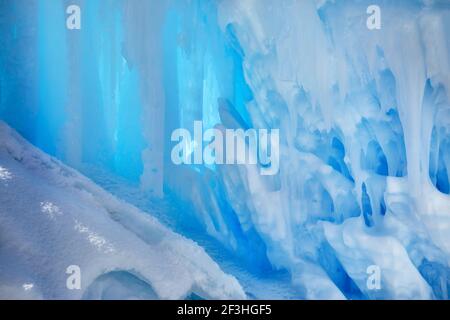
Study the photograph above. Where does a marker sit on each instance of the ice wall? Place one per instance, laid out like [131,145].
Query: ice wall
[358,110]
[81,99]
[363,116]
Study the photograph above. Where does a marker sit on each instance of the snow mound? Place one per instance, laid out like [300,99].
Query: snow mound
[52,217]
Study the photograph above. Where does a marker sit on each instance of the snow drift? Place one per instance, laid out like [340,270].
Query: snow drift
[52,217]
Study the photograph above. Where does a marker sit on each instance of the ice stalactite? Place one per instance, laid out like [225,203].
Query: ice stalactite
[373,97]
[143,51]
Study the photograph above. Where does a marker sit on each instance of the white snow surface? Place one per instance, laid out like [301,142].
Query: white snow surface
[52,217]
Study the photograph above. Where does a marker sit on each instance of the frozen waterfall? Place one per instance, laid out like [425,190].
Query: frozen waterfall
[363,118]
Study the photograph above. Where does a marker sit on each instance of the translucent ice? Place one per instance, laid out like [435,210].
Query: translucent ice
[364,119]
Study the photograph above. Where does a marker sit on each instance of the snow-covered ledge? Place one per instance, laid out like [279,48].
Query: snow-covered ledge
[52,217]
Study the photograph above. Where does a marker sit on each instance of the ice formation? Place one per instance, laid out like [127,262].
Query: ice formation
[364,119]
